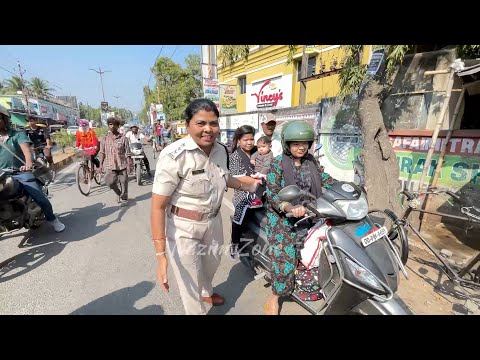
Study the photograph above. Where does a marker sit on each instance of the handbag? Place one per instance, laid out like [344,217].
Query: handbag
[307,285]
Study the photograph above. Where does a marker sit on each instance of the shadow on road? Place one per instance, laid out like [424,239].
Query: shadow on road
[232,288]
[29,260]
[442,285]
[44,243]
[122,302]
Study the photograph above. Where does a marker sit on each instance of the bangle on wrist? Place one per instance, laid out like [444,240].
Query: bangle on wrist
[159,239]
[240,187]
[160,253]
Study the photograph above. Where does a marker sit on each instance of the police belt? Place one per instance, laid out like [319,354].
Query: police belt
[193,215]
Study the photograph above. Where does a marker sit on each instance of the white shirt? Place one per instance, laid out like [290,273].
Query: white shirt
[276,143]
[138,138]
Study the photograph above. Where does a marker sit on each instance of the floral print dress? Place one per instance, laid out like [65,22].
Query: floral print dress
[281,234]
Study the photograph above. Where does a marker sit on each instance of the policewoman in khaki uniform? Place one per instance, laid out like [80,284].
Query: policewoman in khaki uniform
[190,180]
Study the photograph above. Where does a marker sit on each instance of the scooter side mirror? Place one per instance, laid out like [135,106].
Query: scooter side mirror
[289,193]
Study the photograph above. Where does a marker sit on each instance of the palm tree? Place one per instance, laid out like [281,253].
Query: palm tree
[40,87]
[15,83]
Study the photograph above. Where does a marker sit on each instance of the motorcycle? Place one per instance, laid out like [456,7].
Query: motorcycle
[358,265]
[138,157]
[17,208]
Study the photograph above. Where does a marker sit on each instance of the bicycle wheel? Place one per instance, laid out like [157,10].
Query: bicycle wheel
[396,232]
[84,182]
[97,176]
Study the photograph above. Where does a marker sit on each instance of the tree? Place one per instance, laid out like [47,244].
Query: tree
[175,86]
[15,83]
[89,113]
[40,87]
[194,81]
[379,160]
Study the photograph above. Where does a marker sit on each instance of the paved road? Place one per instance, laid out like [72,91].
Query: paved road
[104,262]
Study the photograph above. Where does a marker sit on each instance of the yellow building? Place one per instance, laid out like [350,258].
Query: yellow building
[265,81]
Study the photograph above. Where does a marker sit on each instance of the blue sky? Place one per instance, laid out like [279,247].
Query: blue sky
[67,67]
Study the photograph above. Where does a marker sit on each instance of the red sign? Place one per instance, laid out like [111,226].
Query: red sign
[267,97]
[455,146]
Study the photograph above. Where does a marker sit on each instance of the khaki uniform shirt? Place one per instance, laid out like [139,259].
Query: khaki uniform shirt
[193,180]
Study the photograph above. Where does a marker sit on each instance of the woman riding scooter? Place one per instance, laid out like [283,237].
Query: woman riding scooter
[296,166]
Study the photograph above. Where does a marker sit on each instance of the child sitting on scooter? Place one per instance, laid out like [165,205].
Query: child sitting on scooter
[261,160]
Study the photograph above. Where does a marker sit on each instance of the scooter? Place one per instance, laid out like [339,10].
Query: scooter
[358,265]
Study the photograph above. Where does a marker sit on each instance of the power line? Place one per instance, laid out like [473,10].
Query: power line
[174,52]
[154,64]
[8,71]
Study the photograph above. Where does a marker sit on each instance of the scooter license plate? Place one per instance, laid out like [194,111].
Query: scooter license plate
[137,157]
[371,238]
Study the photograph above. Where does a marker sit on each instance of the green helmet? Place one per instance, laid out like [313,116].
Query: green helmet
[297,130]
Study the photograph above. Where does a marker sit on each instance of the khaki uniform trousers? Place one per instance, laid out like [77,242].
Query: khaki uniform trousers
[195,249]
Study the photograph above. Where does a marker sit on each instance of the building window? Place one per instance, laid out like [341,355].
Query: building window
[242,82]
[310,69]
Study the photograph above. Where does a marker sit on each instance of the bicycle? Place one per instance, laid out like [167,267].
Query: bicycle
[400,227]
[86,171]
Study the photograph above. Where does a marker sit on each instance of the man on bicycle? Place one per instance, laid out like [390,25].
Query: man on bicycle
[40,138]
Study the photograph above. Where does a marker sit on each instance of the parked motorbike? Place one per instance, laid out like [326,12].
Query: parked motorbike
[17,208]
[138,157]
[358,265]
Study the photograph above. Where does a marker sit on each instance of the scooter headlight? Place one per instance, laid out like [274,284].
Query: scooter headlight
[363,275]
[354,209]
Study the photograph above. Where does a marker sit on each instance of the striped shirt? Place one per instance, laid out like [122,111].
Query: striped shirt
[114,149]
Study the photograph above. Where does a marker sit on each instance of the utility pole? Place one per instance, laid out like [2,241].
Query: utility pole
[303,75]
[24,88]
[100,72]
[116,97]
